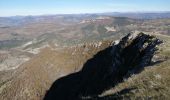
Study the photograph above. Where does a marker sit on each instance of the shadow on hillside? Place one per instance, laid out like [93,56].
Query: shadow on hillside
[90,81]
[83,83]
[106,69]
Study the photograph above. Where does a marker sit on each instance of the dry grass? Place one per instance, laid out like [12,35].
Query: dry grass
[34,78]
[152,83]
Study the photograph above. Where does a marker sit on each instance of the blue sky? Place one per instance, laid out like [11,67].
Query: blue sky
[38,7]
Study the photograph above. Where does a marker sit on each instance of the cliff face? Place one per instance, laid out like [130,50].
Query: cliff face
[106,69]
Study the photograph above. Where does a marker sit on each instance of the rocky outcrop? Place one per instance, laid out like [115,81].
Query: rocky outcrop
[106,69]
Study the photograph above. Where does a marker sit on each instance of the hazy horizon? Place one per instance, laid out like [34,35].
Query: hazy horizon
[139,12]
[51,7]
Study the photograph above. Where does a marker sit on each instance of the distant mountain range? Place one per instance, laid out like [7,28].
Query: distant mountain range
[140,15]
[21,20]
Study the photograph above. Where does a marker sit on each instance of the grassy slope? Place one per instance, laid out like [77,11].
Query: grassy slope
[152,83]
[36,76]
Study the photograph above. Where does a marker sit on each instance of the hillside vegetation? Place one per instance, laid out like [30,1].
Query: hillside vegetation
[34,78]
[36,51]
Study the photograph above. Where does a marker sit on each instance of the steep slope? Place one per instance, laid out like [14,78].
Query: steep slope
[106,69]
[32,80]
[153,83]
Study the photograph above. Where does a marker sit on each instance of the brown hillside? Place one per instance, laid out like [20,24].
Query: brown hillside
[34,78]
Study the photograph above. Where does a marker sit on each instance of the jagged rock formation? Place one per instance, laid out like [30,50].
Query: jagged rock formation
[106,69]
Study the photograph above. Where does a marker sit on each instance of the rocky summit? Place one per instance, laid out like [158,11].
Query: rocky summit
[106,69]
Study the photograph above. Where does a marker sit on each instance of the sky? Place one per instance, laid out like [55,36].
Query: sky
[43,7]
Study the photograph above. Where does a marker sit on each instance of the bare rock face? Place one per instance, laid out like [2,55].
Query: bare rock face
[106,69]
